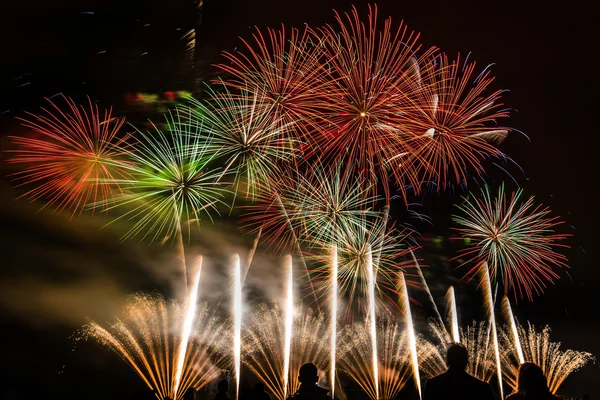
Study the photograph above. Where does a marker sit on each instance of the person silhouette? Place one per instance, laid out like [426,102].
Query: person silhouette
[309,390]
[456,383]
[222,388]
[531,384]
[259,392]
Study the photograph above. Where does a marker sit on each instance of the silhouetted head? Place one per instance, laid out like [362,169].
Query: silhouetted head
[457,357]
[223,386]
[532,380]
[259,388]
[309,375]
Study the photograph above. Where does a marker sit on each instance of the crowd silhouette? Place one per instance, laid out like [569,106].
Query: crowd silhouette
[454,384]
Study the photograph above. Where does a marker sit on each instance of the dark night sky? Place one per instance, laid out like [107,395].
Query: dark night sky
[543,54]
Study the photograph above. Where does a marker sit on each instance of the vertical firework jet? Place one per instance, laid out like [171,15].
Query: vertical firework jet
[508,315]
[489,303]
[334,316]
[237,315]
[373,319]
[412,340]
[187,327]
[289,322]
[453,313]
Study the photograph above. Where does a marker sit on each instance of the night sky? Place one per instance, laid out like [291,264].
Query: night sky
[542,54]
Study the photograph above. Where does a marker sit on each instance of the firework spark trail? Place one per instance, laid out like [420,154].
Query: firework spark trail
[334,306]
[508,314]
[237,315]
[289,323]
[489,303]
[251,255]
[187,327]
[426,286]
[453,313]
[373,319]
[412,340]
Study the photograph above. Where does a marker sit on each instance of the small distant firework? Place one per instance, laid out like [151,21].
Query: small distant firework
[148,337]
[370,70]
[516,239]
[263,341]
[171,186]
[389,246]
[244,136]
[394,362]
[71,160]
[283,68]
[452,124]
[476,338]
[557,364]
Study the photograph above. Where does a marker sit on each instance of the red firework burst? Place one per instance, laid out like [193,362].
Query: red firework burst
[70,159]
[452,123]
[282,67]
[372,71]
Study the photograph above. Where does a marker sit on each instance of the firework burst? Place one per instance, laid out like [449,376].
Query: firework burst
[452,123]
[371,72]
[149,336]
[243,134]
[264,339]
[516,239]
[284,68]
[71,157]
[171,185]
[557,364]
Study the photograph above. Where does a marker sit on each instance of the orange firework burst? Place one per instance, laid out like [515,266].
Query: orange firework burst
[452,123]
[71,160]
